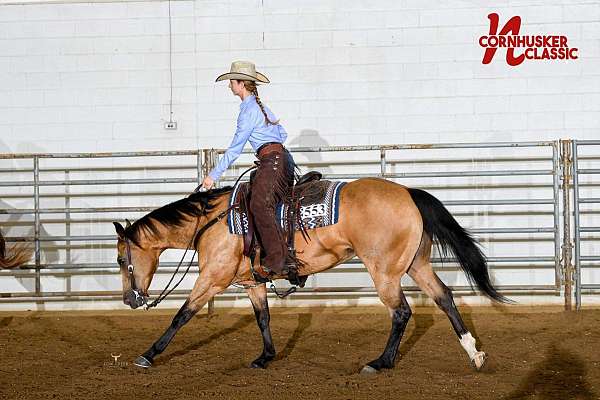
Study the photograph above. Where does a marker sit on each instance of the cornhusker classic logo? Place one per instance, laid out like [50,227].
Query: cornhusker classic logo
[530,47]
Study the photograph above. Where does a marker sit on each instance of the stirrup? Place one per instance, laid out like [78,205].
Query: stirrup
[284,294]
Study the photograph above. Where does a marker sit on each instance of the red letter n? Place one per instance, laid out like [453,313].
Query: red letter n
[513,26]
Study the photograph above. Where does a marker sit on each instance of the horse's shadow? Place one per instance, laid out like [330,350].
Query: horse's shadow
[4,322]
[241,323]
[561,375]
[304,321]
[422,324]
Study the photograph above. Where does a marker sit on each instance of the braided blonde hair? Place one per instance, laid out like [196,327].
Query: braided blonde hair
[251,87]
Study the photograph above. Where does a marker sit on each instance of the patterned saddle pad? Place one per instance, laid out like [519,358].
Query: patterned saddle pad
[319,206]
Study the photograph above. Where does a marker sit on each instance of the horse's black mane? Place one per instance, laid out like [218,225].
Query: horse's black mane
[174,214]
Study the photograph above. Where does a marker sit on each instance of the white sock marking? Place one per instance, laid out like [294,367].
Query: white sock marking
[467,341]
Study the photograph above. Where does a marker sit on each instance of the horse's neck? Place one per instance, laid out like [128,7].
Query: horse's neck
[182,237]
[179,237]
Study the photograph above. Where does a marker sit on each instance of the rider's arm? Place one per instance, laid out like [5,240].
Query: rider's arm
[245,126]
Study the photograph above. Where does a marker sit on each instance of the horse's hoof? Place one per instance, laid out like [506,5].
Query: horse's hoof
[262,361]
[258,364]
[142,362]
[368,370]
[478,360]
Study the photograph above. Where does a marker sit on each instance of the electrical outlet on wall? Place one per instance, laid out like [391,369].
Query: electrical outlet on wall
[171,125]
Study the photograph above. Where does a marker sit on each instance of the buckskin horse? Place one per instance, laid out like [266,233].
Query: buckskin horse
[16,256]
[390,227]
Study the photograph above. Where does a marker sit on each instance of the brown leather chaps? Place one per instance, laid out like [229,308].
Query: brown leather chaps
[271,184]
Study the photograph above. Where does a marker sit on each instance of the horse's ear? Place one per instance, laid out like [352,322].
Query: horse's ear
[120,230]
[127,223]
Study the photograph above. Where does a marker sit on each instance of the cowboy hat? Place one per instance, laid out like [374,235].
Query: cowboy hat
[243,71]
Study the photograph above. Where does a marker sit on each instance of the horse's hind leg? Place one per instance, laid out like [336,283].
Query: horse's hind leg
[422,273]
[391,295]
[258,297]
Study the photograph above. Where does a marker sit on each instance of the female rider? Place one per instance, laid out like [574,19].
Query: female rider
[275,174]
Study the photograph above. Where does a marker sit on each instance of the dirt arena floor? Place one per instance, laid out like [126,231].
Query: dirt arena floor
[534,353]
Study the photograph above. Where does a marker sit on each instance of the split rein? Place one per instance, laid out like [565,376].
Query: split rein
[166,291]
[198,232]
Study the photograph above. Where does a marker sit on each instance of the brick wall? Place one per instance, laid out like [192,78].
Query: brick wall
[94,76]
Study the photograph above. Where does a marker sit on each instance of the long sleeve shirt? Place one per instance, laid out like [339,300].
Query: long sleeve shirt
[251,127]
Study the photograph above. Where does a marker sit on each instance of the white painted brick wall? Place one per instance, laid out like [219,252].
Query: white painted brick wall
[61,62]
[81,77]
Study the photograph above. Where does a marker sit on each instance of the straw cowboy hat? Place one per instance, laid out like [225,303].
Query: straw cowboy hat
[243,71]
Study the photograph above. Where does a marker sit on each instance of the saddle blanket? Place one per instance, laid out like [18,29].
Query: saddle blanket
[319,207]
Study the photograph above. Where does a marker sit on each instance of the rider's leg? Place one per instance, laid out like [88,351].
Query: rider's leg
[269,187]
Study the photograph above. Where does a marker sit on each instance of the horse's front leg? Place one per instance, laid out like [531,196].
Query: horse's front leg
[203,291]
[258,297]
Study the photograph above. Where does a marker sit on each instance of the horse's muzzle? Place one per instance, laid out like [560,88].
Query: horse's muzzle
[135,299]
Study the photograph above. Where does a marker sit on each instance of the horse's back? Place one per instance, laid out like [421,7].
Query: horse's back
[378,197]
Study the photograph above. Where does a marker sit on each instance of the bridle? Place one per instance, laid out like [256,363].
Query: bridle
[166,291]
[142,298]
[130,268]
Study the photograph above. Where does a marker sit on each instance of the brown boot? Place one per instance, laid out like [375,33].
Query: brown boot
[260,274]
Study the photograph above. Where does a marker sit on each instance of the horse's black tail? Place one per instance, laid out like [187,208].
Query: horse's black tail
[440,225]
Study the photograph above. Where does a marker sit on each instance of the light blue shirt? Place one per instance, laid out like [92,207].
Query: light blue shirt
[251,127]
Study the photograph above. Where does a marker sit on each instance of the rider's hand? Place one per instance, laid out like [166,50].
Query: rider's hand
[208,182]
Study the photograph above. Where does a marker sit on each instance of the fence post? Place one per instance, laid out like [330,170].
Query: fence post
[199,167]
[567,247]
[67,216]
[36,227]
[68,243]
[204,166]
[556,167]
[577,269]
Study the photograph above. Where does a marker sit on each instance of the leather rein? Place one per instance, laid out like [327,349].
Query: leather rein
[198,232]
[166,291]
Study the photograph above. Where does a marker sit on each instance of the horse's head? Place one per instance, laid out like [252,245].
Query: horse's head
[137,264]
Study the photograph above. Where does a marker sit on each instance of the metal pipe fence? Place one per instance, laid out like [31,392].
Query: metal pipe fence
[586,181]
[545,152]
[30,178]
[524,187]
